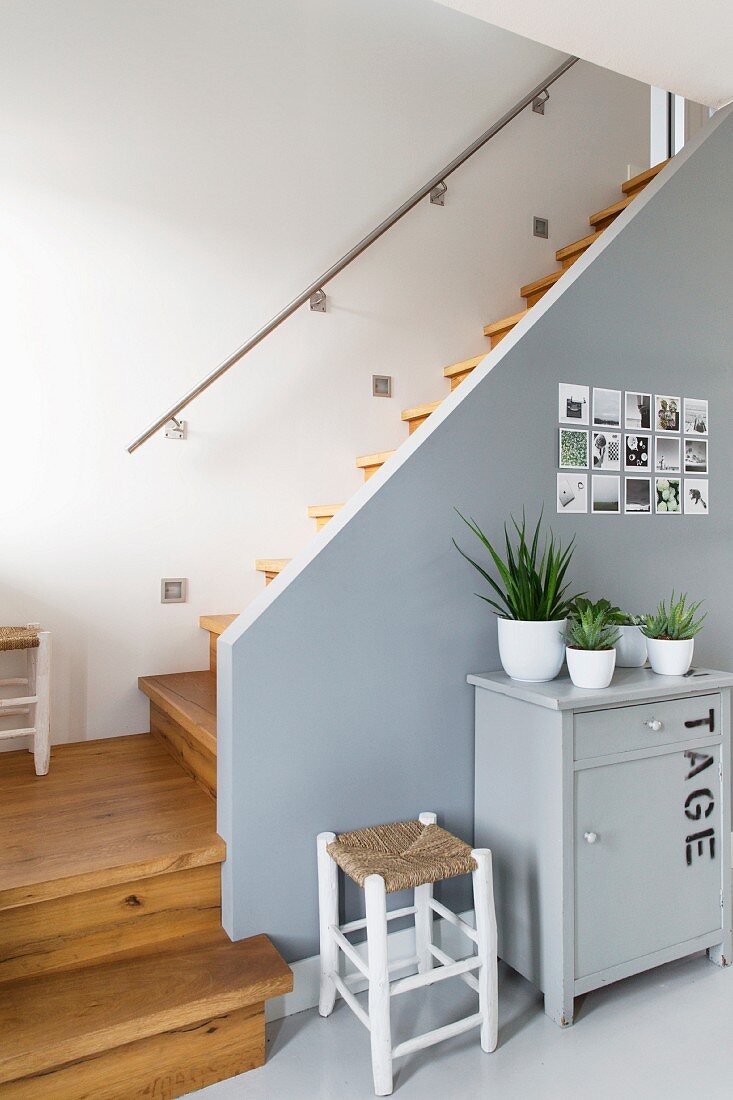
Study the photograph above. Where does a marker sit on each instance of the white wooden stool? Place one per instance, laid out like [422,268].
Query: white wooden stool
[37,646]
[384,859]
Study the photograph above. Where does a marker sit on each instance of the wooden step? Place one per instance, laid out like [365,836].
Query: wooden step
[571,252]
[322,513]
[458,371]
[638,183]
[532,292]
[497,330]
[371,463]
[183,719]
[114,849]
[157,1024]
[603,218]
[216,625]
[417,416]
[271,567]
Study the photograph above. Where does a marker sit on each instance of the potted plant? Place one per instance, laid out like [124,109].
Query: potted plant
[533,604]
[592,635]
[631,651]
[670,636]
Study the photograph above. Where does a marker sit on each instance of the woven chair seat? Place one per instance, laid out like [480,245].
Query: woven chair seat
[406,854]
[18,637]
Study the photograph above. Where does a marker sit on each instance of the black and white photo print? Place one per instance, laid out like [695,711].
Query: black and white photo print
[638,411]
[606,494]
[667,455]
[572,492]
[637,452]
[666,414]
[696,416]
[574,403]
[606,450]
[696,456]
[696,496]
[638,496]
[607,408]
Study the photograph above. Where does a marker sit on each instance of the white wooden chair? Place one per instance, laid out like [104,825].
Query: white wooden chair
[382,860]
[37,646]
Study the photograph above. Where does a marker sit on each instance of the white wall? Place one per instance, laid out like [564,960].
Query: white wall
[170,174]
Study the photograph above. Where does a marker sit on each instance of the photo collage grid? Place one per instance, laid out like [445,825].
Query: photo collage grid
[632,453]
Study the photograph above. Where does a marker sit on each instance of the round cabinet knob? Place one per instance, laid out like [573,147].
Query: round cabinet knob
[653,724]
[590,838]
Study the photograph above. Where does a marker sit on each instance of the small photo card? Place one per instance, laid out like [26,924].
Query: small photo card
[666,413]
[606,450]
[573,449]
[606,494]
[667,495]
[574,403]
[667,455]
[637,452]
[607,408]
[696,456]
[696,416]
[697,492]
[572,492]
[638,496]
[638,411]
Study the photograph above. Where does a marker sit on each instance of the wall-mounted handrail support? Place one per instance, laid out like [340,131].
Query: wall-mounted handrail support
[319,283]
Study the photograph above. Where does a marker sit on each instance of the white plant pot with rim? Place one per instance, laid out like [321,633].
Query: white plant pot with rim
[630,648]
[670,658]
[532,651]
[591,668]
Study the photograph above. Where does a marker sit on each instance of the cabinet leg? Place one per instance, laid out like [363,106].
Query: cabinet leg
[721,954]
[560,1008]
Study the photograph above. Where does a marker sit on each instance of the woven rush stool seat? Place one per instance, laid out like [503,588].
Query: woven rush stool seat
[18,637]
[405,853]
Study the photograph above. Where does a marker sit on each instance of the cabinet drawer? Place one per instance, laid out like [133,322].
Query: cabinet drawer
[645,725]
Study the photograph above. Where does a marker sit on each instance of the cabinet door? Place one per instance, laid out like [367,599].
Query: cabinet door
[652,878]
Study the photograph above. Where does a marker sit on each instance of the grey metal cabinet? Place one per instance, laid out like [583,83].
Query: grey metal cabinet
[608,815]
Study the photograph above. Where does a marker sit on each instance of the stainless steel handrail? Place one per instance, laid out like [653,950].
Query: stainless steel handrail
[357,250]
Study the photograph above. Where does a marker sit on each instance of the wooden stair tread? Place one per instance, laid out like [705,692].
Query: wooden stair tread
[540,284]
[636,182]
[189,698]
[505,323]
[577,246]
[464,367]
[216,624]
[419,412]
[54,1019]
[610,211]
[271,565]
[319,511]
[145,815]
[376,459]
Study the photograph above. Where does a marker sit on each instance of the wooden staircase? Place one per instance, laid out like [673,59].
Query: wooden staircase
[116,978]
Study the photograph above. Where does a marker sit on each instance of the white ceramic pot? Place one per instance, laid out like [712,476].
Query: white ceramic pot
[669,658]
[591,668]
[630,648]
[532,651]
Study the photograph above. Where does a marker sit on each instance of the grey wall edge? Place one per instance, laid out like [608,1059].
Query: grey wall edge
[343,699]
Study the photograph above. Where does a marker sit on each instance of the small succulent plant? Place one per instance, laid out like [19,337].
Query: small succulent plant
[676,622]
[593,625]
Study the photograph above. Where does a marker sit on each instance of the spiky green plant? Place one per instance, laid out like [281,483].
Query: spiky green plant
[676,623]
[593,625]
[615,614]
[531,585]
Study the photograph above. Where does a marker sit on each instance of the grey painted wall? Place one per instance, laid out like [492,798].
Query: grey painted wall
[349,703]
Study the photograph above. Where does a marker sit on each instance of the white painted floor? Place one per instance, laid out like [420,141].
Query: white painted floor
[664,1034]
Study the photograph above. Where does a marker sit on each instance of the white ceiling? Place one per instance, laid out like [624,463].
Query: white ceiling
[678,45]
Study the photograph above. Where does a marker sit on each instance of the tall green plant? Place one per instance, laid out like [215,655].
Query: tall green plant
[676,623]
[593,625]
[531,586]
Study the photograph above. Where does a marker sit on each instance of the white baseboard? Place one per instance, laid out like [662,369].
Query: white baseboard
[400,945]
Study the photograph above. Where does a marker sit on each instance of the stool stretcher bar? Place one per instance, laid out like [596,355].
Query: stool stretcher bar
[438,1035]
[445,960]
[417,981]
[453,918]
[351,1000]
[392,914]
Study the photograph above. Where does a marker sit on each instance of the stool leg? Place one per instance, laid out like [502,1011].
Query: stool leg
[379,1007]
[488,985]
[328,914]
[424,914]
[41,665]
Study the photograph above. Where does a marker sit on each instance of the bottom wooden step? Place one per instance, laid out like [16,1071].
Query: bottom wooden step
[157,1025]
